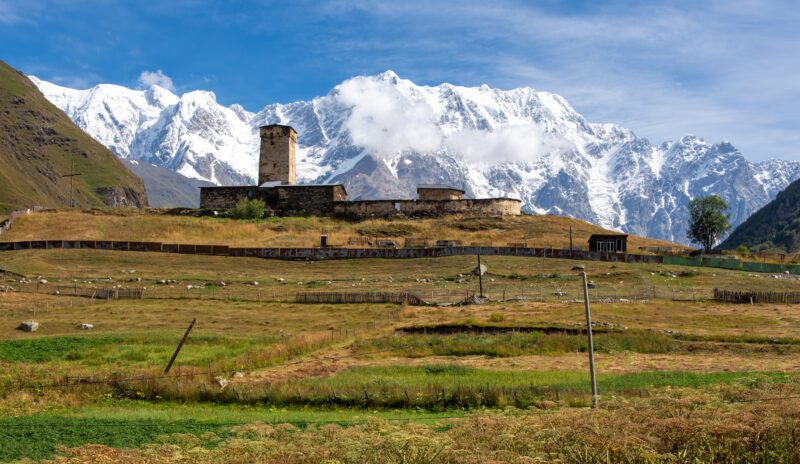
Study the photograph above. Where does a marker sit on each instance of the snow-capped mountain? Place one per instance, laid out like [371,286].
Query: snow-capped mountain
[382,135]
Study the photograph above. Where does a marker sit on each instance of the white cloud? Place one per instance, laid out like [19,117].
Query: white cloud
[76,82]
[387,122]
[384,122]
[517,143]
[148,78]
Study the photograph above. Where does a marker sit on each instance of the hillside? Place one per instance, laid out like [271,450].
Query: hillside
[166,188]
[775,227]
[39,143]
[156,225]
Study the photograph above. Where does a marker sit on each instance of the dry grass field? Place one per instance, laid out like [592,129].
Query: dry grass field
[681,378]
[158,225]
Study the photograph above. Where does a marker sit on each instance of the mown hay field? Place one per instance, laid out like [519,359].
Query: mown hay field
[681,377]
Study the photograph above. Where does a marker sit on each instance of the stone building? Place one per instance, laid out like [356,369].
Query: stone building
[283,197]
[435,192]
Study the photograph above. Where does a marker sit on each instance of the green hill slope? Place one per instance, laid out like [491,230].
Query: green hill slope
[775,227]
[39,143]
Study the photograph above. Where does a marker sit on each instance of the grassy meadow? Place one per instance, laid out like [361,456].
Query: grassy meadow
[681,378]
[161,226]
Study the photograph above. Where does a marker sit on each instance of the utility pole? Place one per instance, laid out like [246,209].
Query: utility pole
[71,176]
[591,344]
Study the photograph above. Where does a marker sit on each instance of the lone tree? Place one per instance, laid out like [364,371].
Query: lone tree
[708,220]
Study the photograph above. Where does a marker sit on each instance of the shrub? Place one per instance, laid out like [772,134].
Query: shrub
[743,249]
[248,209]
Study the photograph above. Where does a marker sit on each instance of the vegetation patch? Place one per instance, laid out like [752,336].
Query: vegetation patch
[672,425]
[44,349]
[389,229]
[479,224]
[518,344]
[34,437]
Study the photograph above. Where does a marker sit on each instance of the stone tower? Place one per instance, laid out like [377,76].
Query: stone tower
[277,154]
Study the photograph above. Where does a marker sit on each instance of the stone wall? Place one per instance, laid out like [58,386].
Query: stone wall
[308,200]
[222,197]
[388,208]
[283,200]
[368,208]
[277,157]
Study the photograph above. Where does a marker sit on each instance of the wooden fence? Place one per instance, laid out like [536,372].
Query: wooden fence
[112,293]
[756,297]
[358,297]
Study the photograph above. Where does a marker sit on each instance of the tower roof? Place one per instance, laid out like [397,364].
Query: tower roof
[278,125]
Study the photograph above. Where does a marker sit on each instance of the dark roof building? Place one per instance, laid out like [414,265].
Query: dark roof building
[609,243]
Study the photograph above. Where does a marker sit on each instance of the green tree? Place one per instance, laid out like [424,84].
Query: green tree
[708,221]
[248,209]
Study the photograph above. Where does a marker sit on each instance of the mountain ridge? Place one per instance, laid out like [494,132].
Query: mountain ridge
[39,144]
[775,227]
[381,135]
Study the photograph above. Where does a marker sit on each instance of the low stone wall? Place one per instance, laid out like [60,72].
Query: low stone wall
[316,200]
[488,206]
[328,253]
[285,200]
[422,208]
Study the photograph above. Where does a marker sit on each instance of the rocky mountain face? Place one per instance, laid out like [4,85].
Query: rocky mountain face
[167,188]
[382,135]
[39,144]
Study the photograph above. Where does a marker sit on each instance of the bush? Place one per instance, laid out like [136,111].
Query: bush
[248,209]
[743,249]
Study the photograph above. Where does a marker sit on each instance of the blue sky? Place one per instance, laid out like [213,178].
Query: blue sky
[727,69]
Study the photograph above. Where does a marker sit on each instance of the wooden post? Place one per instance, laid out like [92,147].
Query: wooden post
[180,345]
[591,344]
[570,241]
[480,276]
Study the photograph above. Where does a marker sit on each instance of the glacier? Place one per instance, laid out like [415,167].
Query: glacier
[382,135]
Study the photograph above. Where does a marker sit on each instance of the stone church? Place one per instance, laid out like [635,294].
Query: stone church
[278,188]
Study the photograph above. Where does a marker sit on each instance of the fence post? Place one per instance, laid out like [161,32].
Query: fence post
[180,345]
